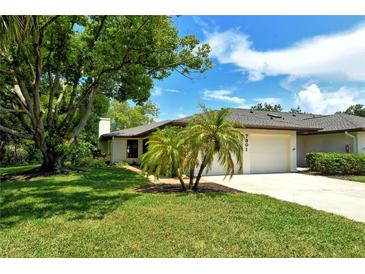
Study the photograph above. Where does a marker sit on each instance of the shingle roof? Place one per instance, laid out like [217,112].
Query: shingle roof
[265,119]
[135,131]
[303,123]
[337,122]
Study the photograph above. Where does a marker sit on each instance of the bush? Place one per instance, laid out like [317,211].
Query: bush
[90,162]
[336,163]
[80,152]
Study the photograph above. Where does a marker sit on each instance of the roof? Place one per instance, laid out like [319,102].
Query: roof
[301,122]
[265,120]
[136,131]
[339,122]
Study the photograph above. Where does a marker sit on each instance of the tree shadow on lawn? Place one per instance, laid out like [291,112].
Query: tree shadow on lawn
[87,195]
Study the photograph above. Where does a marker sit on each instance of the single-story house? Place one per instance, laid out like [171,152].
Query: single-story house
[273,141]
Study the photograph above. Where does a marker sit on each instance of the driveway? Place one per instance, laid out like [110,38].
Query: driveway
[337,196]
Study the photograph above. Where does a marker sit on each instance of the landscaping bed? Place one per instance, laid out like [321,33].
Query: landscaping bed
[175,188]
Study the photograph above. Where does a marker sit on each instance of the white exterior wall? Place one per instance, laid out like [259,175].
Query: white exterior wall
[119,150]
[360,138]
[217,168]
[335,142]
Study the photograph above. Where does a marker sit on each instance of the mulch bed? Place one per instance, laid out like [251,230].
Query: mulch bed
[175,188]
[34,173]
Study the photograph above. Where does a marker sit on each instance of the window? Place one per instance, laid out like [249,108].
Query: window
[145,145]
[132,148]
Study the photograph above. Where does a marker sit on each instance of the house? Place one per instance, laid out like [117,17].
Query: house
[273,141]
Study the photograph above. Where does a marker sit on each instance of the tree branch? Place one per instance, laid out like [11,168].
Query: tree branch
[124,59]
[85,118]
[50,21]
[15,133]
[12,110]
[58,103]
[51,96]
[71,111]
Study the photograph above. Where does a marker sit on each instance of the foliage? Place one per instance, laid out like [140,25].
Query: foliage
[165,154]
[208,136]
[267,107]
[296,110]
[358,110]
[80,152]
[98,213]
[91,162]
[311,160]
[90,133]
[55,70]
[124,115]
[337,163]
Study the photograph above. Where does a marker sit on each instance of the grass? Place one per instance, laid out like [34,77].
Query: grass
[360,179]
[13,169]
[97,213]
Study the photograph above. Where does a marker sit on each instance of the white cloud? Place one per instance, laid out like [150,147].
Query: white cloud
[338,56]
[312,99]
[222,95]
[157,91]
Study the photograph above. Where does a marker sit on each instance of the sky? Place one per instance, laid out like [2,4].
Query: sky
[314,62]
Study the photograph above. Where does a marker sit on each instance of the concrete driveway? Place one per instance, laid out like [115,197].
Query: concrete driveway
[332,195]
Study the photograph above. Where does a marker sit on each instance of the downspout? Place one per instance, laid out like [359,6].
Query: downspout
[112,150]
[354,141]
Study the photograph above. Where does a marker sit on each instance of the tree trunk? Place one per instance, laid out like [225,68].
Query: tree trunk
[191,177]
[201,169]
[183,187]
[52,162]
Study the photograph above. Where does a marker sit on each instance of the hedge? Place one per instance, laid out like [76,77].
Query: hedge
[336,163]
[90,162]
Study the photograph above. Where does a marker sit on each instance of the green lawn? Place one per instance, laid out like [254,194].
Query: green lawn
[98,214]
[360,179]
[12,169]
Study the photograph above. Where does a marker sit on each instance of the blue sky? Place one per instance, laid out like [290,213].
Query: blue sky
[315,62]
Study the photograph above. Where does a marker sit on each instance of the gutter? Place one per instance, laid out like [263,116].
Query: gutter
[353,139]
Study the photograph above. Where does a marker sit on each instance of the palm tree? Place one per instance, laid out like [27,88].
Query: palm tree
[211,134]
[164,155]
[208,135]
[14,28]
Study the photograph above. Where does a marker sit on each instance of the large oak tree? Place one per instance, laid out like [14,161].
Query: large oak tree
[53,67]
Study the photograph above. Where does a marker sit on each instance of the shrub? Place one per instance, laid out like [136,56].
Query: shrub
[80,152]
[336,163]
[90,162]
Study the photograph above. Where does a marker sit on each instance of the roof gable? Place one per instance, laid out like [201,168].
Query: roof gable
[136,131]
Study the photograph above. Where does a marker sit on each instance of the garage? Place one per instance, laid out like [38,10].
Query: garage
[218,169]
[269,153]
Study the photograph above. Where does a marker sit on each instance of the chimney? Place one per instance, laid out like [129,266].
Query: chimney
[104,126]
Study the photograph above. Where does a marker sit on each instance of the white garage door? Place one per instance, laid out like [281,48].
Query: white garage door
[269,153]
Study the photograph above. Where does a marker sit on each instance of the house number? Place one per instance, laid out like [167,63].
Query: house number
[246,142]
